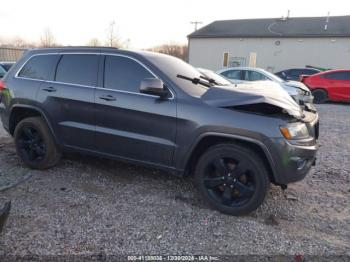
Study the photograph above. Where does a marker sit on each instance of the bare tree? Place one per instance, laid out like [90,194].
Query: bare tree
[177,50]
[47,39]
[16,42]
[94,42]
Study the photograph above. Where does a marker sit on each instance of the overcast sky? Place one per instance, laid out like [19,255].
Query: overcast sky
[144,22]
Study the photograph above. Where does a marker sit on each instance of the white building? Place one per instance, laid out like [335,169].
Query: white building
[273,44]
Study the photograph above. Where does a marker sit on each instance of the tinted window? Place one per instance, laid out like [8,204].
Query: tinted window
[40,67]
[123,73]
[7,66]
[254,76]
[2,72]
[338,76]
[296,72]
[310,71]
[78,69]
[232,74]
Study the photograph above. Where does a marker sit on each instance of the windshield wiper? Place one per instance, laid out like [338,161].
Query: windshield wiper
[211,80]
[195,80]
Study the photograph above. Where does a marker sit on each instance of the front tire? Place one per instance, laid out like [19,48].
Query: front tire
[232,179]
[35,144]
[320,96]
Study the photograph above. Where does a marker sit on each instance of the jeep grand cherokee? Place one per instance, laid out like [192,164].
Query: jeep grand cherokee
[156,110]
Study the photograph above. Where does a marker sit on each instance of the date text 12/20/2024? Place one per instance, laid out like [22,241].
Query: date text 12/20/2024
[173,258]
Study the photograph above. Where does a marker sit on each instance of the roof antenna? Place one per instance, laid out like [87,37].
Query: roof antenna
[327,20]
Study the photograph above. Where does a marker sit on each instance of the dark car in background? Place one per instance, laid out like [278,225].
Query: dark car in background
[332,85]
[295,73]
[156,110]
[6,65]
[2,72]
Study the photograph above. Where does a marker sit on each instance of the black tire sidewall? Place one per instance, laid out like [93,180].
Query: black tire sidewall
[320,96]
[51,154]
[257,166]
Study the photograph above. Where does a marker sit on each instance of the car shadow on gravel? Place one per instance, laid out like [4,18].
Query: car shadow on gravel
[180,189]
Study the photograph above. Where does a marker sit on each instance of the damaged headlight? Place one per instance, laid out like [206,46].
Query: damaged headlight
[295,131]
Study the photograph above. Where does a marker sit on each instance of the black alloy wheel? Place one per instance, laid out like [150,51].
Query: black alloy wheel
[31,144]
[35,144]
[232,178]
[229,181]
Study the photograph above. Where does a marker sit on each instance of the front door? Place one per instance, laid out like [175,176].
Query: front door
[129,124]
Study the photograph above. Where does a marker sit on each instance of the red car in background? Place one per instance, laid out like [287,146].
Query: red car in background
[332,85]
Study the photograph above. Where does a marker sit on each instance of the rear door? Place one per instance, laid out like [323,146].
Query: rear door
[130,124]
[69,99]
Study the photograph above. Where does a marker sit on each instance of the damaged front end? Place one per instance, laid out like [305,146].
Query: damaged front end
[289,133]
[254,98]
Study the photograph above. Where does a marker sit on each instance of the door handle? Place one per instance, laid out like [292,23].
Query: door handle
[108,98]
[49,89]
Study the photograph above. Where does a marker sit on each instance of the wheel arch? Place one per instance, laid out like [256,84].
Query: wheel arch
[20,112]
[210,139]
[320,88]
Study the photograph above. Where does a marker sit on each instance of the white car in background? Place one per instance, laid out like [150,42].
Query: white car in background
[297,90]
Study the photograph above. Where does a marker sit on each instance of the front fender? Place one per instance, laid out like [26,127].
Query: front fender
[184,162]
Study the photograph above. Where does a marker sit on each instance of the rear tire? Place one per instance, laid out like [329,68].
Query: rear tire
[232,179]
[320,96]
[35,144]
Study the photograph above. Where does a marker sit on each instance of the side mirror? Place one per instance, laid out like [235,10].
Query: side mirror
[153,86]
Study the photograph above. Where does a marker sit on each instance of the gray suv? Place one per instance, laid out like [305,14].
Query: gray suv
[156,110]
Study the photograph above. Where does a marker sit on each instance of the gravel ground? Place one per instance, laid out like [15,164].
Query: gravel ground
[92,206]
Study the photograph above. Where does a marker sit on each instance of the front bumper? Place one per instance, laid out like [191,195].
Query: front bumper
[294,159]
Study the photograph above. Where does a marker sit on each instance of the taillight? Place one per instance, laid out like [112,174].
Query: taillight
[303,77]
[2,85]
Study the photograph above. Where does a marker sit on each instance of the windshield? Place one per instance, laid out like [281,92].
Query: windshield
[220,80]
[173,67]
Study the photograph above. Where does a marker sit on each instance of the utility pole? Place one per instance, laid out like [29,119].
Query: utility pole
[196,23]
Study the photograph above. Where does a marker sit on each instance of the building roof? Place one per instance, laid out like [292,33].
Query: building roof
[337,26]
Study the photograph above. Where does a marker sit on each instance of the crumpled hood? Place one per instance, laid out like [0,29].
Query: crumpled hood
[296,84]
[252,93]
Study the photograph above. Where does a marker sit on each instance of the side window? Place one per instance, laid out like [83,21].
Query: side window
[78,69]
[309,72]
[338,76]
[255,76]
[40,67]
[122,73]
[232,74]
[296,72]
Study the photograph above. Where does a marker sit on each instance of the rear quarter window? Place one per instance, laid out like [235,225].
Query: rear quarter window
[40,67]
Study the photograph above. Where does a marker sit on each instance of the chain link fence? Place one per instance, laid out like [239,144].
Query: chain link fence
[10,53]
